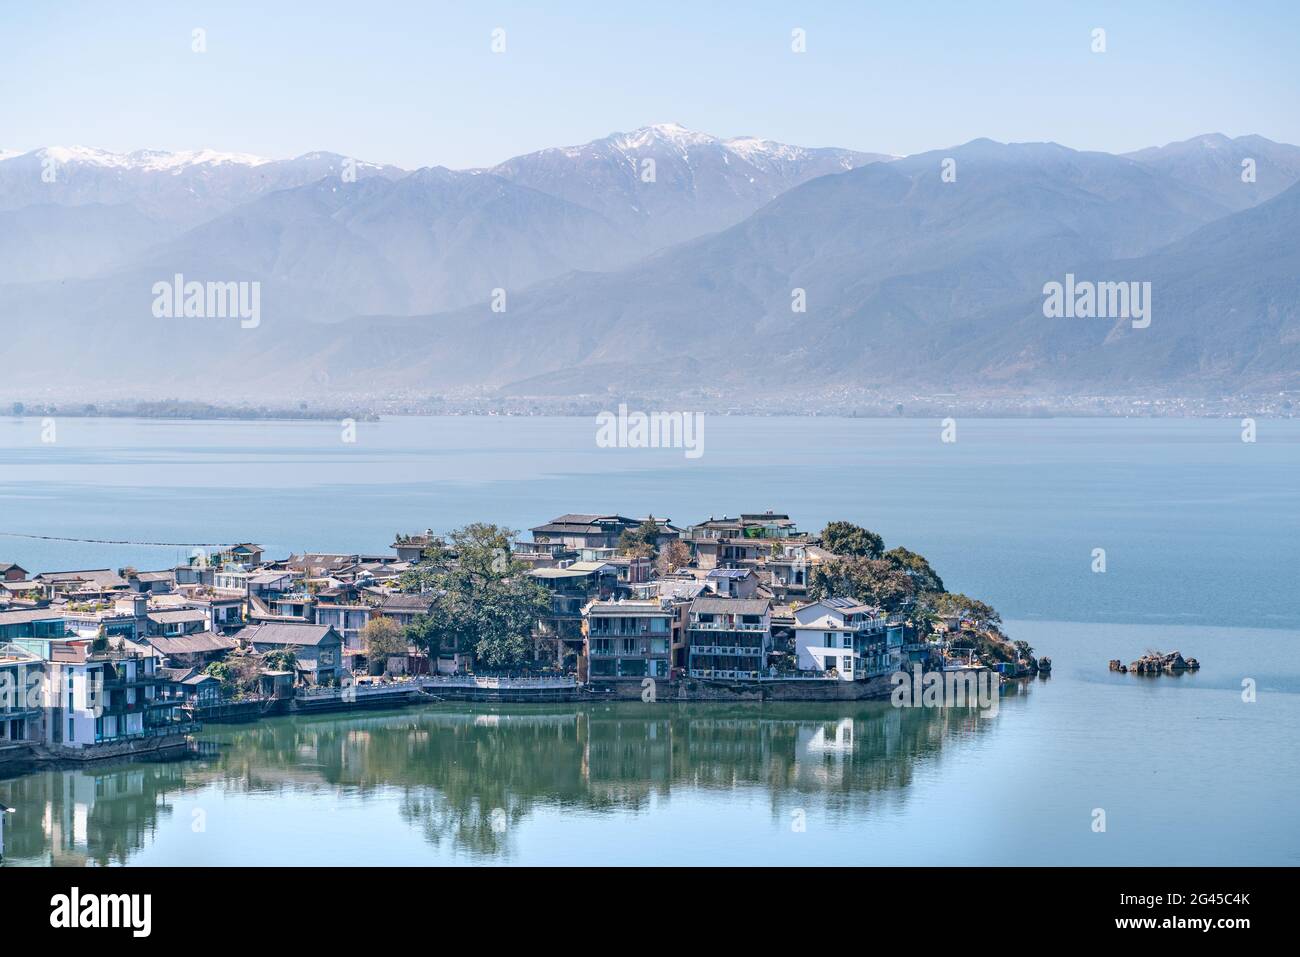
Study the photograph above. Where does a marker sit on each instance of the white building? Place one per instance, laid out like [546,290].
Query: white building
[843,636]
[102,697]
[22,680]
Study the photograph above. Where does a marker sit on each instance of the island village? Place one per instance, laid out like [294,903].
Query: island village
[98,663]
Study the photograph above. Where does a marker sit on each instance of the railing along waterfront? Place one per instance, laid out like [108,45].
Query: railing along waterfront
[496,682]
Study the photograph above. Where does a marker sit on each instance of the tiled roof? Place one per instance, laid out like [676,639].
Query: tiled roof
[730,606]
[279,633]
[199,643]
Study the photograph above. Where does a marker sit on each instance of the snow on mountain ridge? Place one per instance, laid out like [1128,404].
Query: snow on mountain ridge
[146,160]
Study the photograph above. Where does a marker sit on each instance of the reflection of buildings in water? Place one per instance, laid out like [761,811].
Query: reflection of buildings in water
[79,817]
[835,738]
[467,778]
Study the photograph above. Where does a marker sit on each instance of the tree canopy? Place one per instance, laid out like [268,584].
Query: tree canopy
[925,578]
[281,659]
[484,602]
[868,580]
[955,604]
[845,538]
[384,638]
[642,541]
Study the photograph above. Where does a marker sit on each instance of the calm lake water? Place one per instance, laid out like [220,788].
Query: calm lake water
[1200,532]
[1186,772]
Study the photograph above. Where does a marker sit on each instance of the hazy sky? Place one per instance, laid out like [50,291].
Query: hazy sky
[417,83]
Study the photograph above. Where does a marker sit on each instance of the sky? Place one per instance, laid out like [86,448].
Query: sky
[418,84]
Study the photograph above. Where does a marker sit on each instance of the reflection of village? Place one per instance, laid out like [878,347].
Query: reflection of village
[466,777]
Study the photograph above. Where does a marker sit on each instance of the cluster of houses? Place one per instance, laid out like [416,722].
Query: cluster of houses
[733,608]
[724,599]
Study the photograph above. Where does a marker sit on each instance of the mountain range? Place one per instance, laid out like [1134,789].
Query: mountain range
[657,260]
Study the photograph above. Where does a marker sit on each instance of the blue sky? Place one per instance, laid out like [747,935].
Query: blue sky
[417,84]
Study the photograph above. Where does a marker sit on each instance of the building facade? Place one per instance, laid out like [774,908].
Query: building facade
[628,639]
[728,638]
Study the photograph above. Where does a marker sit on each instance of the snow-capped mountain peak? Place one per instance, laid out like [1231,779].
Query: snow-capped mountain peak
[153,161]
[671,134]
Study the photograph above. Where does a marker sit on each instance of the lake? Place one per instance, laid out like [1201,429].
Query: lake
[1185,771]
[1200,537]
[1198,526]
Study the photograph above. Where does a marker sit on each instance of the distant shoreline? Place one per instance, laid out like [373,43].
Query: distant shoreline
[269,414]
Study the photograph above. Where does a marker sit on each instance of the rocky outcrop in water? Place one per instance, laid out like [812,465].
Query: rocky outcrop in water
[1155,662]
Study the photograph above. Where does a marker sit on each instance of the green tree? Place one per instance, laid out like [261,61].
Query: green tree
[642,541]
[845,538]
[227,674]
[957,605]
[238,674]
[925,578]
[384,638]
[281,659]
[484,601]
[868,580]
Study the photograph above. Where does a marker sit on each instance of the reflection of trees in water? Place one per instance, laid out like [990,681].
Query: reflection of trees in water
[94,815]
[451,767]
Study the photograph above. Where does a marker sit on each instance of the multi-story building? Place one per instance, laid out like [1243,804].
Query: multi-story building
[752,538]
[22,678]
[125,618]
[558,634]
[40,624]
[629,639]
[88,581]
[570,533]
[847,638]
[103,693]
[349,621]
[728,637]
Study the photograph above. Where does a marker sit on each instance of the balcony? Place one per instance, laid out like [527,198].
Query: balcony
[724,673]
[727,626]
[734,650]
[637,633]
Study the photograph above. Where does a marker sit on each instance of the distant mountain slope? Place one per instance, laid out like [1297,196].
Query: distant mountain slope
[1213,164]
[885,254]
[1225,316]
[61,242]
[387,241]
[435,239]
[176,188]
[666,183]
[909,281]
